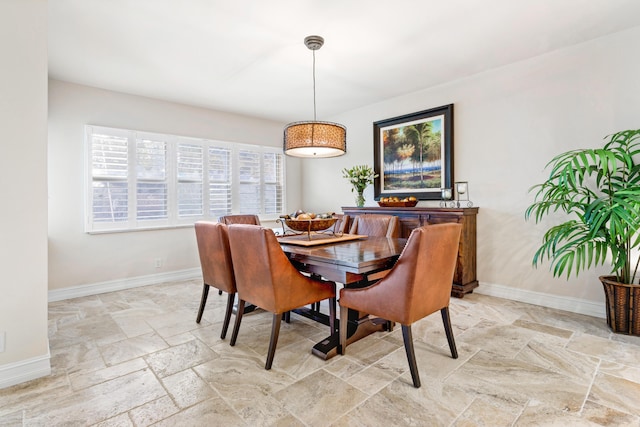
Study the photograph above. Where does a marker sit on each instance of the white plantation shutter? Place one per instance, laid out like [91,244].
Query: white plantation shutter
[249,181]
[109,186]
[151,183]
[272,181]
[219,181]
[190,177]
[142,180]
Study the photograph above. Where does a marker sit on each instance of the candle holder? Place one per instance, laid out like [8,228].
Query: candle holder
[446,196]
[462,194]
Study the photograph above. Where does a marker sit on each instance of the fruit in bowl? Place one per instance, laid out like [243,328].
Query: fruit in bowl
[302,215]
[309,221]
[310,224]
[395,201]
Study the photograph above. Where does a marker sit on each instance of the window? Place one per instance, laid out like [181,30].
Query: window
[142,180]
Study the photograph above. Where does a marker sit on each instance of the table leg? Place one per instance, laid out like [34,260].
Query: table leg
[248,308]
[357,328]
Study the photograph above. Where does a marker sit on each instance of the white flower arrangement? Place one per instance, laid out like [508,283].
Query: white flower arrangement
[359,176]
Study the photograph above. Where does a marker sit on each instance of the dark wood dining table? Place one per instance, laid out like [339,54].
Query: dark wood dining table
[349,263]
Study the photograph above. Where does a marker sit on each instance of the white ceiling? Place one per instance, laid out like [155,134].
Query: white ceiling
[248,56]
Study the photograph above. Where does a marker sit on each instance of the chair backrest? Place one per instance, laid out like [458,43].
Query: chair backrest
[375,225]
[240,219]
[264,275]
[420,282]
[215,255]
[343,223]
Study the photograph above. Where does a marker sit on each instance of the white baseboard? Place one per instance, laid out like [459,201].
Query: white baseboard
[25,370]
[570,304]
[118,285]
[573,305]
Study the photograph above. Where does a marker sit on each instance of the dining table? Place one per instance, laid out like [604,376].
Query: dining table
[349,260]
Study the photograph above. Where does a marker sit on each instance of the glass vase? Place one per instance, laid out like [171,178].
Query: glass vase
[360,199]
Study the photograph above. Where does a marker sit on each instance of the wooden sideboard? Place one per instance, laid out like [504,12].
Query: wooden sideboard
[464,279]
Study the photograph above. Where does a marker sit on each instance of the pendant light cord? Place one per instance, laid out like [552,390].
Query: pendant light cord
[314,85]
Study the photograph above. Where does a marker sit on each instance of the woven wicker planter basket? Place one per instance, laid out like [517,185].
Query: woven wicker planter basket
[623,306]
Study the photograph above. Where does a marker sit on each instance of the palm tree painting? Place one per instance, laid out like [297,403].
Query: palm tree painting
[413,153]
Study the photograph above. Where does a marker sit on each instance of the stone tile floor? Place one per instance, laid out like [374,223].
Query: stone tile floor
[136,358]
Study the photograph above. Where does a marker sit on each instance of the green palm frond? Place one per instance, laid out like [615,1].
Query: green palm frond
[600,189]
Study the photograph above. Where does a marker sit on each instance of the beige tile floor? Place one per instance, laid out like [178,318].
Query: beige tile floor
[137,358]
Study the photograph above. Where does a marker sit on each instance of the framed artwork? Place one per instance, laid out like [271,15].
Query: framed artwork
[413,154]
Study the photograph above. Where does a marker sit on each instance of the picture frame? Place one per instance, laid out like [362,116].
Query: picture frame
[413,154]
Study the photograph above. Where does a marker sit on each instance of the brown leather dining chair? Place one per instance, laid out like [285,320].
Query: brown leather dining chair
[375,225]
[239,219]
[342,223]
[217,269]
[379,225]
[265,277]
[418,285]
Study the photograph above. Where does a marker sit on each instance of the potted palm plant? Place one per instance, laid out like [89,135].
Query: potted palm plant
[599,189]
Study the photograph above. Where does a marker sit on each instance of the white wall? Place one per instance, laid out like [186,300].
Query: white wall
[23,191]
[508,123]
[77,258]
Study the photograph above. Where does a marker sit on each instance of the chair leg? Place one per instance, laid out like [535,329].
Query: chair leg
[275,330]
[227,315]
[411,355]
[344,313]
[203,302]
[236,326]
[447,328]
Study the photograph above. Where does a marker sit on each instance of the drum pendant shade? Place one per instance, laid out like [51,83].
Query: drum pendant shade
[314,138]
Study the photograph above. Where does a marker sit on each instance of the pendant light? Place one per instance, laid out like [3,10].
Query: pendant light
[314,138]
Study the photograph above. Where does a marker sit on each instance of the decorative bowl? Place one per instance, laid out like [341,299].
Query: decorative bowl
[315,224]
[409,204]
